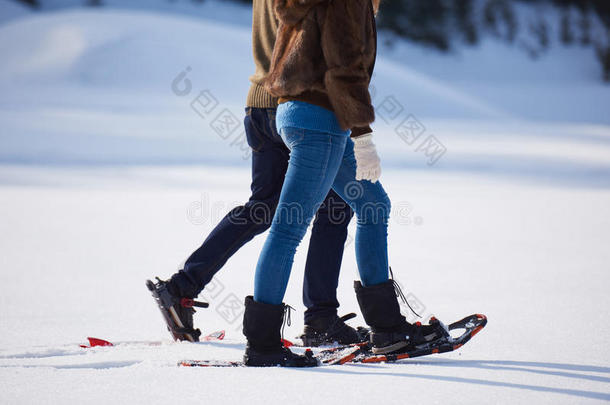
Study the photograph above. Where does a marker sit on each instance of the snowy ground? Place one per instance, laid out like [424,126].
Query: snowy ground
[79,243]
[108,176]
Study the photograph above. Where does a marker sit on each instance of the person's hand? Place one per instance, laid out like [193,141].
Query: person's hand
[368,164]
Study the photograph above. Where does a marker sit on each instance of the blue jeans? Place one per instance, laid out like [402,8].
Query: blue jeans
[269,164]
[320,160]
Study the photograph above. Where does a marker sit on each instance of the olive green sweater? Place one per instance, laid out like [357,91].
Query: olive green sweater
[264,29]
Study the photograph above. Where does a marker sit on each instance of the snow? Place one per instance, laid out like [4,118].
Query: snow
[532,257]
[109,177]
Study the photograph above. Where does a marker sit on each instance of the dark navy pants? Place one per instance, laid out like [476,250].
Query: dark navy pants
[269,164]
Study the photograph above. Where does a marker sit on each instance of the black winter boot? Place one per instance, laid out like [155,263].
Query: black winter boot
[332,329]
[391,333]
[262,326]
[390,330]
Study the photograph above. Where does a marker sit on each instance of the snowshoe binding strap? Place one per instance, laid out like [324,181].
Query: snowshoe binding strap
[440,326]
[400,294]
[190,303]
[186,302]
[347,317]
[195,333]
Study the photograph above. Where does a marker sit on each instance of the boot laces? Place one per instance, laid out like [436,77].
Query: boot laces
[400,294]
[287,321]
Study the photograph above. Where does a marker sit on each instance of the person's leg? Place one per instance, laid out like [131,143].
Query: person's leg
[324,258]
[372,207]
[375,292]
[391,333]
[240,225]
[314,160]
[315,156]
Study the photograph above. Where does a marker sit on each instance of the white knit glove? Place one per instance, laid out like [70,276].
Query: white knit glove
[368,164]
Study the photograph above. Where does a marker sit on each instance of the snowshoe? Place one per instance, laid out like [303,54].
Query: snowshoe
[177,311]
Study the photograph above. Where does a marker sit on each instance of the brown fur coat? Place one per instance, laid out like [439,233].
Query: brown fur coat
[325,54]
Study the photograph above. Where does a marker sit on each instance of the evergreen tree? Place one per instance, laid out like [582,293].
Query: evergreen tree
[31,3]
[419,21]
[603,54]
[499,19]
[585,28]
[463,15]
[566,35]
[438,23]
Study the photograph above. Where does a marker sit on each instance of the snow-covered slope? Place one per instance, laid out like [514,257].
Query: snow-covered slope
[229,12]
[104,86]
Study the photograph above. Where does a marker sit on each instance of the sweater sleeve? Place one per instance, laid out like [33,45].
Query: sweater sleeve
[357,131]
[347,78]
